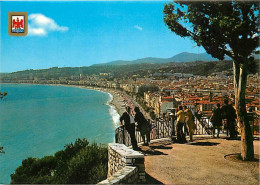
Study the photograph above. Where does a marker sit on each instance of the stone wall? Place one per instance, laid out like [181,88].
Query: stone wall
[124,165]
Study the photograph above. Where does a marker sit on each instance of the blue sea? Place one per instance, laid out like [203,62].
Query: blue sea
[38,120]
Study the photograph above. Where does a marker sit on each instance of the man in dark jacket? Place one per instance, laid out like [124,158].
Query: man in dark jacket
[216,120]
[129,123]
[229,113]
[143,125]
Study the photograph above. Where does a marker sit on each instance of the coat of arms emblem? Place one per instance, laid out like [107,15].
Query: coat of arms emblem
[17,23]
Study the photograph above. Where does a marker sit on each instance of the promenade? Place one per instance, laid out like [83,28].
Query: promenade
[199,162]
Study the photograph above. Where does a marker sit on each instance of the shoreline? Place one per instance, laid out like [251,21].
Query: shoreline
[115,96]
[118,102]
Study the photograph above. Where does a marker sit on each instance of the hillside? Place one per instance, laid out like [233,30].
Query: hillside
[181,57]
[120,71]
[125,71]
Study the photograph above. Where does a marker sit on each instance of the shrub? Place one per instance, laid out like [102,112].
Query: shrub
[79,163]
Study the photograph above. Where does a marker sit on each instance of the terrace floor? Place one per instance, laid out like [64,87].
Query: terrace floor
[199,162]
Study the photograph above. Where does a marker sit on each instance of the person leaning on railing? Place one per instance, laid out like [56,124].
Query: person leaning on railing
[143,125]
[129,121]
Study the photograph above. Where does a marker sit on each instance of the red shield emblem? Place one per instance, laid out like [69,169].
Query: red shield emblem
[17,23]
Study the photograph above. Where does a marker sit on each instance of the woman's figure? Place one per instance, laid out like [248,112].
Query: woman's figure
[181,137]
[190,121]
[143,126]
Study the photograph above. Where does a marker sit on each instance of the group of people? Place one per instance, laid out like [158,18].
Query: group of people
[130,118]
[186,120]
[185,123]
[227,112]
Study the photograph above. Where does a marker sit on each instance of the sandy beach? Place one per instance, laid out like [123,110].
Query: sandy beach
[120,100]
[117,101]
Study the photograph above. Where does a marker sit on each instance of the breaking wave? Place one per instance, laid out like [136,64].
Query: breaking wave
[112,111]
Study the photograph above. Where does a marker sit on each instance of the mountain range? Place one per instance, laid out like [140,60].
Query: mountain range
[181,57]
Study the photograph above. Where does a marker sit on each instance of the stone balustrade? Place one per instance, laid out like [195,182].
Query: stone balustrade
[124,165]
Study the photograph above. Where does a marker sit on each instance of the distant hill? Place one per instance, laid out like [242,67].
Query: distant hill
[122,71]
[181,57]
[191,57]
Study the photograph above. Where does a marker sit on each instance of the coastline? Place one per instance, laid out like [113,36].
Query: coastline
[115,101]
[119,100]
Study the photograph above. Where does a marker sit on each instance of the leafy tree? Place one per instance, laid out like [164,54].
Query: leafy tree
[146,88]
[223,28]
[78,163]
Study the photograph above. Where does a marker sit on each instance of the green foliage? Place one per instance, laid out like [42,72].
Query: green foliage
[146,88]
[2,95]
[222,28]
[79,163]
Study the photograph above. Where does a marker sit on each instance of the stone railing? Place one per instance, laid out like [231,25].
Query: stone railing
[125,166]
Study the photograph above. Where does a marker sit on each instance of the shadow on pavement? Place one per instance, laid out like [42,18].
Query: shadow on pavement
[207,138]
[151,180]
[204,143]
[152,152]
[235,138]
[161,147]
[235,157]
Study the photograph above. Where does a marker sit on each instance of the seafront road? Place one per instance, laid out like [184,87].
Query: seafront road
[199,162]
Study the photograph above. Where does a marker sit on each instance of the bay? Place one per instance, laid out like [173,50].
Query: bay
[38,120]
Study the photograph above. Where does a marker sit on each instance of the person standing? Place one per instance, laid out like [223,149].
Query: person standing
[181,138]
[129,124]
[229,113]
[190,122]
[143,125]
[216,120]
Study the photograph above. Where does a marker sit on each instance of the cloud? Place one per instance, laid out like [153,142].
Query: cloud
[40,25]
[138,27]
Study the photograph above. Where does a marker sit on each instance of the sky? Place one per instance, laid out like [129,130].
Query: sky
[82,33]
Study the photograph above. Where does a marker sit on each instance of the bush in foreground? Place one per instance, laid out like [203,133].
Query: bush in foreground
[79,163]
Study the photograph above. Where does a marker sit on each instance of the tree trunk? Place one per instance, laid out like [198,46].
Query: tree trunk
[247,147]
[236,71]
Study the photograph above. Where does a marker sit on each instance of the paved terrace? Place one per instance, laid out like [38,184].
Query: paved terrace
[199,162]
